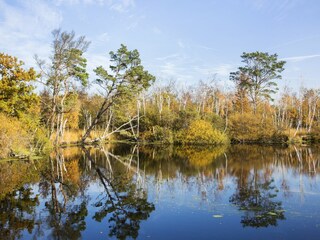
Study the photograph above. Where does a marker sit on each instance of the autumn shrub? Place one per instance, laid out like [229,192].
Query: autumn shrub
[202,132]
[21,136]
[249,127]
[13,136]
[37,134]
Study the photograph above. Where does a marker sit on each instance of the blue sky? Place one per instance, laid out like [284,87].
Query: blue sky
[181,40]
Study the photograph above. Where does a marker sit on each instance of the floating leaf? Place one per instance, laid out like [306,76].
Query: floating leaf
[280,211]
[272,213]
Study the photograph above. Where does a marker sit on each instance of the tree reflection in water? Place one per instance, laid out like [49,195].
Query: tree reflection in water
[18,203]
[255,193]
[61,182]
[17,212]
[126,204]
[258,204]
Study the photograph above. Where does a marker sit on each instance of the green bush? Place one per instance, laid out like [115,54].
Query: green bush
[217,121]
[158,134]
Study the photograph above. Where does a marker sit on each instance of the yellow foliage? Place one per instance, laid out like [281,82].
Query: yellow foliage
[250,127]
[73,172]
[13,136]
[202,157]
[73,112]
[15,174]
[15,89]
[74,136]
[202,132]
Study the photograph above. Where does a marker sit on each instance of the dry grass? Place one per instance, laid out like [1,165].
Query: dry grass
[74,136]
[295,137]
[291,131]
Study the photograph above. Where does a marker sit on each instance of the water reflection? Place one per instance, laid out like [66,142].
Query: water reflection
[17,212]
[123,199]
[109,192]
[257,202]
[61,186]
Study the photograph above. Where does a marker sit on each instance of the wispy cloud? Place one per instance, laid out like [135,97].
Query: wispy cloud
[25,29]
[135,21]
[99,42]
[182,67]
[181,44]
[157,30]
[74,2]
[279,9]
[274,5]
[104,37]
[120,6]
[170,70]
[96,60]
[171,56]
[297,41]
[174,66]
[205,47]
[222,70]
[300,58]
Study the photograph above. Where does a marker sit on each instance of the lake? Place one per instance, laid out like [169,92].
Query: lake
[163,192]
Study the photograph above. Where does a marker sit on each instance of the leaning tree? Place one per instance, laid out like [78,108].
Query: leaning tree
[123,80]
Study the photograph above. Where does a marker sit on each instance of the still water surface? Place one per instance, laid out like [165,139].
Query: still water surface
[131,192]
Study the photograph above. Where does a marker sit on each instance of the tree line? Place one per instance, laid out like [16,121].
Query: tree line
[129,105]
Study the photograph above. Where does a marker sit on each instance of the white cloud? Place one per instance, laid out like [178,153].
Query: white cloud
[300,58]
[135,21]
[32,18]
[74,2]
[181,44]
[181,67]
[96,60]
[25,29]
[157,30]
[279,9]
[93,61]
[122,5]
[222,70]
[116,5]
[205,47]
[104,37]
[171,56]
[203,70]
[170,70]
[99,41]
